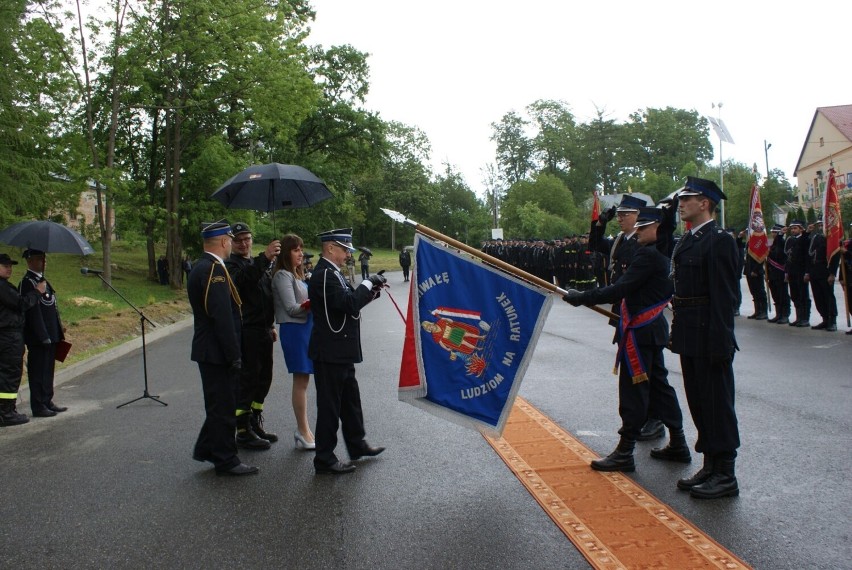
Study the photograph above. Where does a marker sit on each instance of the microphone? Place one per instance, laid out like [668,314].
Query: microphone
[85,270]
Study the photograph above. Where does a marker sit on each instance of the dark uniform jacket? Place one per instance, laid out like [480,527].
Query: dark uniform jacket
[42,323]
[255,288]
[817,266]
[336,308]
[777,259]
[645,283]
[797,254]
[13,305]
[216,308]
[706,274]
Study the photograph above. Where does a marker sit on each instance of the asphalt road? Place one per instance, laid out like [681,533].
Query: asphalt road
[101,487]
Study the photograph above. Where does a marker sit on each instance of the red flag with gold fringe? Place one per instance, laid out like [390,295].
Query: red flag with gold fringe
[758,246]
[831,221]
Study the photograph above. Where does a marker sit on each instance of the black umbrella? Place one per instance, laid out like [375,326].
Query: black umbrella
[270,187]
[365,250]
[47,236]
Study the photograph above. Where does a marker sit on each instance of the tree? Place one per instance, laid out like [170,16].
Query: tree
[36,92]
[547,193]
[664,140]
[515,151]
[556,133]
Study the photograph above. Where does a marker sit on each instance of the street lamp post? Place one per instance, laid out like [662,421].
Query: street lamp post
[766,147]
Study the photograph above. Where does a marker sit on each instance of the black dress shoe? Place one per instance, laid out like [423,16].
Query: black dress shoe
[43,413]
[339,468]
[57,409]
[241,469]
[365,451]
[830,327]
[820,326]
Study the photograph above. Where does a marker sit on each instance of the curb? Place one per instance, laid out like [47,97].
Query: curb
[84,366]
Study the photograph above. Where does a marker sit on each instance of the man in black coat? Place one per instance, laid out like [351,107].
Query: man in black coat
[250,275]
[775,265]
[335,348]
[405,263]
[796,248]
[821,274]
[13,305]
[705,268]
[755,276]
[42,330]
[643,292]
[216,348]
[619,251]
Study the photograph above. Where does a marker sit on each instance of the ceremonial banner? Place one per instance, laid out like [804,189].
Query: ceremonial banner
[758,247]
[470,333]
[596,207]
[832,223]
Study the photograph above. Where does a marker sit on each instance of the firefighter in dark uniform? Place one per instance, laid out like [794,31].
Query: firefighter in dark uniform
[335,348]
[619,251]
[216,348]
[251,276]
[796,247]
[13,305]
[821,274]
[755,276]
[705,269]
[643,292]
[42,330]
[775,265]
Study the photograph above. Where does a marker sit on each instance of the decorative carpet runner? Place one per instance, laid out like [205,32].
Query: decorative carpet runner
[611,520]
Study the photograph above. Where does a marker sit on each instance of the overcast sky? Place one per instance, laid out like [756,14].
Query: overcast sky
[451,68]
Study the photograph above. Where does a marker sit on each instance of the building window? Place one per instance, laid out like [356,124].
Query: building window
[821,142]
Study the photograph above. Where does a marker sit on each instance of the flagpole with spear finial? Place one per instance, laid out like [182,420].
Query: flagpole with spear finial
[397,217]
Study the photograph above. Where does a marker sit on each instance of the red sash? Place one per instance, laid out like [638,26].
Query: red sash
[627,343]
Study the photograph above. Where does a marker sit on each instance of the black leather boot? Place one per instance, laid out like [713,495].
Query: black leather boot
[653,429]
[619,460]
[9,415]
[257,427]
[784,318]
[701,476]
[722,483]
[676,450]
[246,438]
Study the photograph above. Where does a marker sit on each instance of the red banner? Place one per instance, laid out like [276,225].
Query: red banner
[831,221]
[758,246]
[596,208]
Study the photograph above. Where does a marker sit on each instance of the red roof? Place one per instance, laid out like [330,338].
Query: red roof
[839,116]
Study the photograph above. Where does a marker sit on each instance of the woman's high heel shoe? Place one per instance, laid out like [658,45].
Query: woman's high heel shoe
[302,443]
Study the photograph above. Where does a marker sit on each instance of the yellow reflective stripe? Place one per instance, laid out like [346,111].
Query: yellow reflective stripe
[257,406]
[242,412]
[8,395]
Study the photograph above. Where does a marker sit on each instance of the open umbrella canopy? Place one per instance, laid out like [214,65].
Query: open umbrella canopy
[365,250]
[270,187]
[47,236]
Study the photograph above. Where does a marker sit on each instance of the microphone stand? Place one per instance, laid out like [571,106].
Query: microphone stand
[142,319]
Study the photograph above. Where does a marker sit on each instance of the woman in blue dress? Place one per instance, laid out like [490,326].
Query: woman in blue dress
[293,314]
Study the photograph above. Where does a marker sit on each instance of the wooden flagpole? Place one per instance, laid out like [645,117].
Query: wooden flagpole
[396,216]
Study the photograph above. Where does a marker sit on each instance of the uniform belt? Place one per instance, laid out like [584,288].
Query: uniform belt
[690,301]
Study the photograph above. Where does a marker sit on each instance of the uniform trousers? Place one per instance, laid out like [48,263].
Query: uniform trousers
[654,397]
[41,363]
[338,402]
[780,296]
[709,386]
[216,442]
[799,295]
[757,288]
[11,363]
[824,299]
[256,373]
